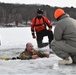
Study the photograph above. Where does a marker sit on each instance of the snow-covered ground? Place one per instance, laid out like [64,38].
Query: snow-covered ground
[13,42]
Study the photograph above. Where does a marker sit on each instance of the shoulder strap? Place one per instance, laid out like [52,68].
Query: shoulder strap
[36,18]
[35,21]
[44,21]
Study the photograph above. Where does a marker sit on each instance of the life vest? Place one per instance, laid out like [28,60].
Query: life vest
[39,24]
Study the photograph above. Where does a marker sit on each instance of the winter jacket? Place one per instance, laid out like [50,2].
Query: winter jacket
[40,24]
[65,34]
[25,55]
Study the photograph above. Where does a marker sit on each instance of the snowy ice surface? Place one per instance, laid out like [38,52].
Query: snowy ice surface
[13,42]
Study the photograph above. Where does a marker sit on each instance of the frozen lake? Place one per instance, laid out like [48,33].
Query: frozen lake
[15,37]
[13,42]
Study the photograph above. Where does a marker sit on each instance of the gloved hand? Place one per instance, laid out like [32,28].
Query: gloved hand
[34,36]
[35,56]
[50,29]
[14,58]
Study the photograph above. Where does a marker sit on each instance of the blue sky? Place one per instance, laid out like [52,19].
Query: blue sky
[60,3]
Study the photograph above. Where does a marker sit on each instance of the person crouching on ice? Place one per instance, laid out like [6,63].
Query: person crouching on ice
[64,44]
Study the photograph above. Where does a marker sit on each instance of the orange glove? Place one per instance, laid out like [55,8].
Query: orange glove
[34,36]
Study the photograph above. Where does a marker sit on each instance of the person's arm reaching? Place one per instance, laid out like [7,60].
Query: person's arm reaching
[32,28]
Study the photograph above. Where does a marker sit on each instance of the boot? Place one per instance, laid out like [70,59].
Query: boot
[66,61]
[42,45]
[45,44]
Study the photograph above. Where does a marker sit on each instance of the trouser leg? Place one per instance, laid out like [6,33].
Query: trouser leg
[58,51]
[39,41]
[73,57]
[40,44]
[40,36]
[50,36]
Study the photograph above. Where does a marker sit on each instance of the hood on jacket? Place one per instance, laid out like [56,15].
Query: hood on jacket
[63,16]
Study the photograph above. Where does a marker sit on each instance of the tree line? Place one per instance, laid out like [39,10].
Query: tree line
[20,13]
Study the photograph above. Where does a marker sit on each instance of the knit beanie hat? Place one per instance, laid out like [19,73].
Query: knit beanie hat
[59,12]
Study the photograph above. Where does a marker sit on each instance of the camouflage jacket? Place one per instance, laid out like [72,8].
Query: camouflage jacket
[25,55]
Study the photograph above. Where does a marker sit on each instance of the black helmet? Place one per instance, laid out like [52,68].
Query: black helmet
[39,11]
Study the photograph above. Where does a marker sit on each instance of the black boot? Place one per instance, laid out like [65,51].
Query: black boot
[42,45]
